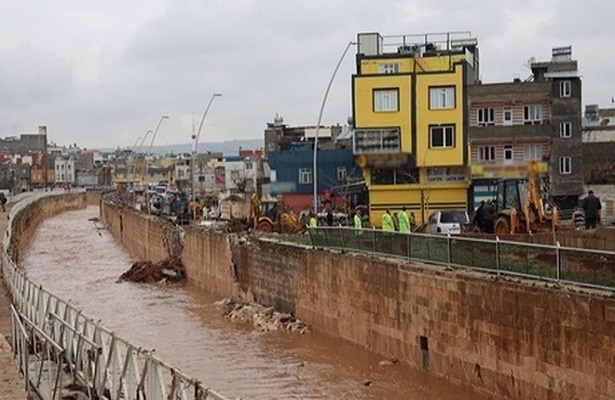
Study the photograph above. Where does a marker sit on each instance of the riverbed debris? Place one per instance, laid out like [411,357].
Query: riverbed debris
[168,270]
[263,318]
[388,362]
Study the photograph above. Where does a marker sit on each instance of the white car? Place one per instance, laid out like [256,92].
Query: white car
[447,221]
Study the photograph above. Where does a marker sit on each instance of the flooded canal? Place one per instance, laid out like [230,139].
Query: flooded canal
[77,259]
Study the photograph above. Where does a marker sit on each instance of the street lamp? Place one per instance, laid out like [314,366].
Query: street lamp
[147,200]
[155,132]
[196,137]
[134,156]
[143,140]
[322,108]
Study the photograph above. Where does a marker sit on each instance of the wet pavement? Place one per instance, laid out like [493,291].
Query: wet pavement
[77,259]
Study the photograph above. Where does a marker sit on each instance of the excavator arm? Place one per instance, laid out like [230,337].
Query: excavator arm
[534,208]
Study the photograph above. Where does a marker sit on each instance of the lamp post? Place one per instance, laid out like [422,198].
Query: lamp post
[195,138]
[138,150]
[149,153]
[322,108]
[131,176]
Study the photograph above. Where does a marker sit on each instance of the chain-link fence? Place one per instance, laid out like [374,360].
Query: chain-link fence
[593,268]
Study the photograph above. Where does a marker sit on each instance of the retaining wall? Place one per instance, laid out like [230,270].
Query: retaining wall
[512,338]
[25,222]
[146,236]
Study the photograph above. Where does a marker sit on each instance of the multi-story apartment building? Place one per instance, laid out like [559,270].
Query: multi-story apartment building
[411,126]
[208,177]
[65,171]
[242,173]
[536,119]
[290,157]
[26,143]
[599,145]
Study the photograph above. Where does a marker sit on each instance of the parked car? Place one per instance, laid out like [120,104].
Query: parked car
[448,221]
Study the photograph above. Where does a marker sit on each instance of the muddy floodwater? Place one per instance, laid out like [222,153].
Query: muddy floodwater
[77,259]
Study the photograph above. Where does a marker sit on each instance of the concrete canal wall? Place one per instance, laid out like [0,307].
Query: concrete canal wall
[515,339]
[26,221]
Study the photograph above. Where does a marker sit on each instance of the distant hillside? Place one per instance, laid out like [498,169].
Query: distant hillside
[228,148]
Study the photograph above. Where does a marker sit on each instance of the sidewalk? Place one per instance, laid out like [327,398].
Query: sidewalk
[11,384]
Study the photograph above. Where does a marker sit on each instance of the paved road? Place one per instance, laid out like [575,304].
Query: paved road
[11,384]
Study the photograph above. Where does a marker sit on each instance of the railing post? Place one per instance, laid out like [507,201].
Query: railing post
[408,243]
[341,233]
[373,240]
[497,255]
[449,255]
[558,260]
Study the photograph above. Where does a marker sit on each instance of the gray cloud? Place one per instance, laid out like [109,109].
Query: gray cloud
[104,73]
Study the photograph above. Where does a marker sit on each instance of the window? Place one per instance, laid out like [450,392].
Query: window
[441,137]
[508,153]
[377,141]
[565,165]
[565,89]
[249,165]
[341,174]
[486,153]
[565,130]
[485,116]
[532,114]
[389,68]
[394,176]
[507,116]
[533,152]
[386,100]
[442,98]
[305,176]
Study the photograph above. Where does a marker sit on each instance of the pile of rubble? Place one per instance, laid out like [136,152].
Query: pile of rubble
[169,270]
[263,318]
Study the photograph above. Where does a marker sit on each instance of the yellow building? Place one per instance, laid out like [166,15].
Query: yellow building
[411,124]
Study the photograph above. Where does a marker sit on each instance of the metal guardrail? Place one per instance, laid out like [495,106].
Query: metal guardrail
[55,344]
[585,267]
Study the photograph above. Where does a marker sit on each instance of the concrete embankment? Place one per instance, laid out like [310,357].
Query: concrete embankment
[511,338]
[23,226]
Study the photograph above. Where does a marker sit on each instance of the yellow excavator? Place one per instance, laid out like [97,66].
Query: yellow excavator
[270,216]
[520,207]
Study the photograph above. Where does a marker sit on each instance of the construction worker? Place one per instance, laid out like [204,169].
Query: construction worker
[312,223]
[358,223]
[205,212]
[404,221]
[387,222]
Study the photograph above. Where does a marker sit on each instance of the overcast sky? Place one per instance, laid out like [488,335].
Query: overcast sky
[100,73]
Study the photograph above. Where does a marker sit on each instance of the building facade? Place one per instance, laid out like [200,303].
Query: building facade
[537,119]
[599,145]
[290,157]
[64,171]
[411,126]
